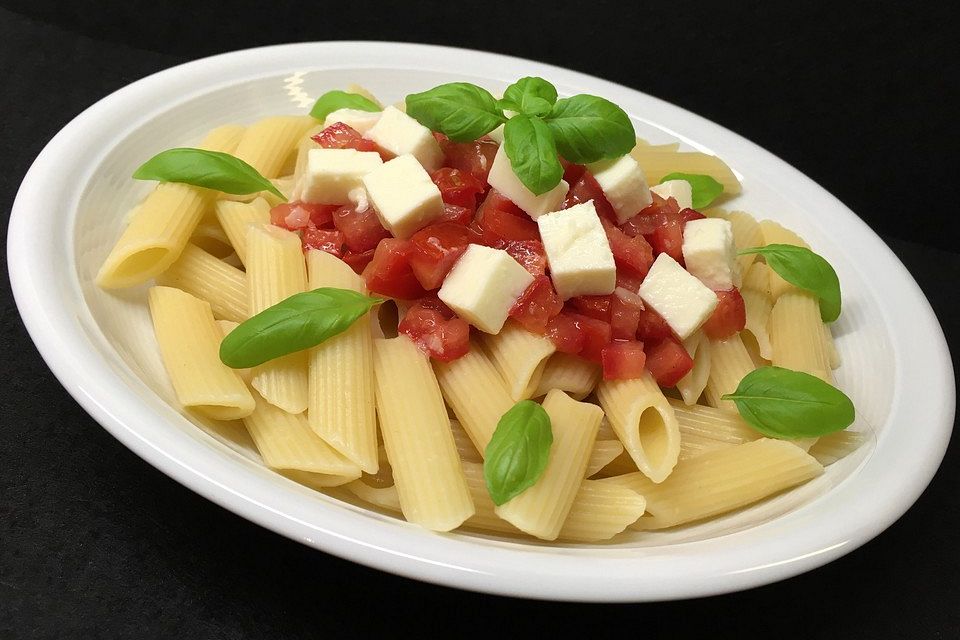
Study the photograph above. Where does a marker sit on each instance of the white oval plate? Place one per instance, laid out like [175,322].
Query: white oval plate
[70,209]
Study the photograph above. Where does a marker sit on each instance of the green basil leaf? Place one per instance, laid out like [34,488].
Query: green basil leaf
[781,403]
[301,321]
[805,269]
[518,451]
[588,128]
[705,188]
[333,100]
[202,168]
[532,153]
[459,110]
[532,96]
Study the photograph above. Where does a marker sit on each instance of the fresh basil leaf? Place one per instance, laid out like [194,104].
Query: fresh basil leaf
[202,168]
[518,452]
[532,96]
[705,188]
[588,128]
[805,269]
[334,100]
[781,403]
[459,110]
[301,321]
[532,153]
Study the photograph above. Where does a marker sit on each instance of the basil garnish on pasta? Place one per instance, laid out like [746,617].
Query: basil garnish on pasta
[805,269]
[518,452]
[208,169]
[334,100]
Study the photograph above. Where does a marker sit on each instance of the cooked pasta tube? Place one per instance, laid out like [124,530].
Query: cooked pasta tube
[568,373]
[520,357]
[268,144]
[223,139]
[236,217]
[704,429]
[729,363]
[830,347]
[189,340]
[757,307]
[416,432]
[775,233]
[691,386]
[603,453]
[276,271]
[211,237]
[757,278]
[465,447]
[363,91]
[746,234]
[644,422]
[318,481]
[658,162]
[833,446]
[541,510]
[796,335]
[202,275]
[341,407]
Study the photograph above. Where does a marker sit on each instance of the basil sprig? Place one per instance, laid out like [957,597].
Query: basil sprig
[518,451]
[301,321]
[333,100]
[705,189]
[209,169]
[781,403]
[805,269]
[582,128]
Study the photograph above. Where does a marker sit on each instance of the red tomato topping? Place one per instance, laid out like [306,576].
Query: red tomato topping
[629,281]
[435,250]
[652,327]
[593,306]
[436,333]
[358,261]
[586,188]
[668,361]
[686,215]
[324,240]
[564,331]
[361,229]
[729,317]
[496,200]
[457,187]
[300,215]
[668,239]
[499,225]
[631,254]
[625,309]
[537,305]
[456,213]
[474,158]
[596,335]
[652,216]
[661,223]
[390,273]
[342,136]
[572,172]
[529,253]
[623,360]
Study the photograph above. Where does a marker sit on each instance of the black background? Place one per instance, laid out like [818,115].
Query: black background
[96,543]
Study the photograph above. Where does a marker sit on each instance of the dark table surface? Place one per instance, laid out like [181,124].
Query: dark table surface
[96,543]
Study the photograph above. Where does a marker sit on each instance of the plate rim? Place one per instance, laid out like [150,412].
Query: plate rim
[417,554]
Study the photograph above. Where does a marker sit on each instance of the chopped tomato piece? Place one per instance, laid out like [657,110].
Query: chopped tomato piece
[668,239]
[537,305]
[625,309]
[474,158]
[572,172]
[686,215]
[729,317]
[435,250]
[652,327]
[390,273]
[358,261]
[529,253]
[596,335]
[564,331]
[496,200]
[456,213]
[586,188]
[652,216]
[438,335]
[594,306]
[499,225]
[623,360]
[661,223]
[342,136]
[361,229]
[668,361]
[457,187]
[629,281]
[324,240]
[300,215]
[631,254]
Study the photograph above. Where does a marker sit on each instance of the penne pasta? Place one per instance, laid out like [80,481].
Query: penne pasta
[833,446]
[236,217]
[691,386]
[211,237]
[796,335]
[363,91]
[520,357]
[775,233]
[465,448]
[746,233]
[224,138]
[603,453]
[704,429]
[202,275]
[318,481]
[657,162]
[729,363]
[757,278]
[757,308]
[568,373]
[268,144]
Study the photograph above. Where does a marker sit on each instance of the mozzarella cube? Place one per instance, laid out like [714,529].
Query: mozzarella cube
[331,174]
[710,253]
[623,184]
[483,286]
[403,195]
[357,119]
[400,134]
[497,134]
[503,179]
[579,255]
[680,190]
[684,302]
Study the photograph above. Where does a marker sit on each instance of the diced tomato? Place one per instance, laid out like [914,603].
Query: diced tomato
[564,331]
[342,136]
[529,253]
[456,213]
[572,172]
[537,305]
[623,360]
[661,223]
[440,336]
[686,215]
[358,261]
[652,216]
[652,327]
[390,273]
[499,225]
[300,215]
[729,317]
[625,309]
[496,200]
[668,361]
[361,229]
[324,240]
[631,254]
[629,281]
[457,187]
[586,188]
[668,239]
[593,306]
[435,250]
[474,158]
[596,335]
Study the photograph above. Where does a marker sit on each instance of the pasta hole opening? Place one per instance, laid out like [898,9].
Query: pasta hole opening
[388,317]
[137,267]
[654,436]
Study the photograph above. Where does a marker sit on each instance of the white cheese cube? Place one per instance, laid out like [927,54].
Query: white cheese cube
[331,174]
[400,134]
[677,189]
[623,184]
[497,134]
[358,119]
[503,179]
[684,302]
[483,286]
[403,195]
[579,255]
[710,253]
